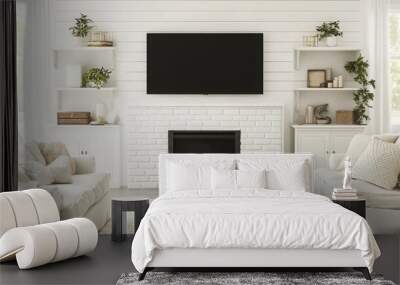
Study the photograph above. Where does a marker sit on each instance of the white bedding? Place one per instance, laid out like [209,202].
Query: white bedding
[250,219]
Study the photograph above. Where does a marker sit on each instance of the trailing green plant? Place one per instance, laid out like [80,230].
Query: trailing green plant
[329,29]
[81,27]
[96,77]
[363,96]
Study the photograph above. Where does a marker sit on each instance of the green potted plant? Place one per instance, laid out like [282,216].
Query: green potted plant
[329,31]
[81,28]
[363,96]
[95,77]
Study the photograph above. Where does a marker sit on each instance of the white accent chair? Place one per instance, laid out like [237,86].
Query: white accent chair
[31,231]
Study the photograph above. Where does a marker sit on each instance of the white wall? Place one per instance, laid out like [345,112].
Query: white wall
[283,23]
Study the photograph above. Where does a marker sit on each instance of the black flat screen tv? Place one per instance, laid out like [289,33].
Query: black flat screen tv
[205,63]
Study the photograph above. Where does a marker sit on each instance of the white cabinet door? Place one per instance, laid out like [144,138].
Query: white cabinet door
[340,140]
[315,142]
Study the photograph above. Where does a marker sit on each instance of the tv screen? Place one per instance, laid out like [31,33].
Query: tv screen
[205,63]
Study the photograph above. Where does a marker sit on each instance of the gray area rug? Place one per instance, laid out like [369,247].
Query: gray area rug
[269,278]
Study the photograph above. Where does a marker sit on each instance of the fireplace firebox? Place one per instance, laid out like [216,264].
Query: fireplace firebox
[203,141]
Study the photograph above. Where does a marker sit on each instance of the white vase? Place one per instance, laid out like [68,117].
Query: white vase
[331,41]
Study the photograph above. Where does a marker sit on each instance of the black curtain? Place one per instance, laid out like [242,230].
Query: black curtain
[8,98]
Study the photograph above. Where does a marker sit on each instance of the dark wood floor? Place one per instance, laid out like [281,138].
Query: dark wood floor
[110,259]
[103,266]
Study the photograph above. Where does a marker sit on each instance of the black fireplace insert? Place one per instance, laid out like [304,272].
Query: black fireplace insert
[203,141]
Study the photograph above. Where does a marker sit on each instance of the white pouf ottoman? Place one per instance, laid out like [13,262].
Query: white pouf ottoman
[34,243]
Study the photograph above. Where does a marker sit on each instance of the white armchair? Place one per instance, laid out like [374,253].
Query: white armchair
[31,231]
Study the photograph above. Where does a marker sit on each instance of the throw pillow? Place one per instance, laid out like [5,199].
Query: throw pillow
[51,151]
[360,142]
[379,164]
[60,169]
[32,153]
[356,147]
[38,172]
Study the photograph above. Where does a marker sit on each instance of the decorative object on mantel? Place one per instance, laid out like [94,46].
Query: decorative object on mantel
[73,118]
[100,39]
[310,41]
[81,27]
[337,82]
[344,117]
[309,117]
[73,75]
[316,78]
[95,77]
[329,31]
[100,114]
[363,96]
[320,114]
[346,192]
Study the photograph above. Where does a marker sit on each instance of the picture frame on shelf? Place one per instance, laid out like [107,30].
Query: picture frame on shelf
[316,78]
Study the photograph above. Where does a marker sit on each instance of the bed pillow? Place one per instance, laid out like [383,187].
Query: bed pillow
[251,179]
[230,180]
[189,174]
[379,164]
[282,174]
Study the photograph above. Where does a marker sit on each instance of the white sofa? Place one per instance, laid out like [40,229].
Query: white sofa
[31,233]
[88,194]
[383,206]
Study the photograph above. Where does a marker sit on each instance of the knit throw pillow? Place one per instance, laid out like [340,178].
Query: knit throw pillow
[379,164]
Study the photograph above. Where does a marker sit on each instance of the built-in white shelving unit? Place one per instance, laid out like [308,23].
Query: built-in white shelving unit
[299,92]
[83,51]
[299,50]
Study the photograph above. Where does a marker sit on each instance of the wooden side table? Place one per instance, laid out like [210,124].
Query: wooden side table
[357,206]
[118,213]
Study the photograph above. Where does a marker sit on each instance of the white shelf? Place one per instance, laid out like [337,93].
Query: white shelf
[80,89]
[66,49]
[340,48]
[327,126]
[344,89]
[321,49]
[88,126]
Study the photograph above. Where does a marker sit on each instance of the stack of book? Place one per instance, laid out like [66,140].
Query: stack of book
[344,194]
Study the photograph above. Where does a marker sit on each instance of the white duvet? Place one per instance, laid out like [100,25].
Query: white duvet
[250,219]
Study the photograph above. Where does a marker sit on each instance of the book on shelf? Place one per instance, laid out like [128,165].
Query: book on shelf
[344,194]
[341,190]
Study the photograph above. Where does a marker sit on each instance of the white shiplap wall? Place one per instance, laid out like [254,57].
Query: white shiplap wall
[283,23]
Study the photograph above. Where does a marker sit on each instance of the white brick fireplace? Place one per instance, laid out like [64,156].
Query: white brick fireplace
[261,131]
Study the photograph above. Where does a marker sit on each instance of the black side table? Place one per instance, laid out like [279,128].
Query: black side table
[356,206]
[118,213]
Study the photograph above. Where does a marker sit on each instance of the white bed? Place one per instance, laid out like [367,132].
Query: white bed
[250,227]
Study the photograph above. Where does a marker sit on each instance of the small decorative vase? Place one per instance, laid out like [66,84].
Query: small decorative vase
[331,41]
[79,42]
